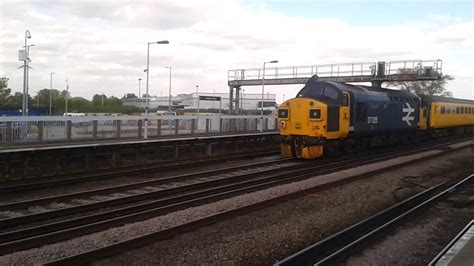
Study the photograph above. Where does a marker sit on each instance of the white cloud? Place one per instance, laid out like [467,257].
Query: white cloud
[101,46]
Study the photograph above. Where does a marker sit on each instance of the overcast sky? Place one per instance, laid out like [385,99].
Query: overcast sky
[100,46]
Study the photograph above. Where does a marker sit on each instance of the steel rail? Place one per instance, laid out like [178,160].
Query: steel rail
[329,250]
[7,187]
[57,231]
[36,217]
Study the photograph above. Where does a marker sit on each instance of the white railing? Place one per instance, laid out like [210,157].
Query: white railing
[335,70]
[44,129]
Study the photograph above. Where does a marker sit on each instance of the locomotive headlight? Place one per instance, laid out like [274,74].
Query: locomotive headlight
[315,113]
[282,124]
[283,113]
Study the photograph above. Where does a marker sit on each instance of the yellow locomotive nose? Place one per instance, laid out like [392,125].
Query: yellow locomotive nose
[302,125]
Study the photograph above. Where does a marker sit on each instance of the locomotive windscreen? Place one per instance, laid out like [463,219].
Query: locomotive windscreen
[320,90]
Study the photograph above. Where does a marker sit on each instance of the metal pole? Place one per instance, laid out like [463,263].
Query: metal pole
[102,100]
[169,100]
[197,98]
[145,135]
[25,67]
[50,94]
[263,92]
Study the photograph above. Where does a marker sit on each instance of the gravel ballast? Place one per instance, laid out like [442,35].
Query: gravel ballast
[262,236]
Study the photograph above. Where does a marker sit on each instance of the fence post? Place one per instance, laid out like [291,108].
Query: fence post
[245,124]
[220,125]
[140,127]
[9,133]
[158,127]
[176,126]
[265,124]
[256,124]
[118,128]
[95,124]
[68,130]
[207,125]
[193,124]
[40,131]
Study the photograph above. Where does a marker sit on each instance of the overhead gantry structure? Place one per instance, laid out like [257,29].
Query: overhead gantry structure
[374,72]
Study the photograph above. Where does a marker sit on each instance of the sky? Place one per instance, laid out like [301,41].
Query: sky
[100,46]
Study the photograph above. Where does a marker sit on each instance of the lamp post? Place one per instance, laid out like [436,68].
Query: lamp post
[25,67]
[147,70]
[139,88]
[50,93]
[197,98]
[263,91]
[169,100]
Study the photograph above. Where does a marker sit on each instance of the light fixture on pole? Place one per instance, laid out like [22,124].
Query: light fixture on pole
[263,92]
[139,88]
[50,93]
[147,70]
[169,100]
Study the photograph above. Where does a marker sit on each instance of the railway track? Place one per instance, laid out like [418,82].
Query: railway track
[189,195]
[332,249]
[13,186]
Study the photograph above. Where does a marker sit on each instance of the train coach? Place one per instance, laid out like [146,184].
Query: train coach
[330,117]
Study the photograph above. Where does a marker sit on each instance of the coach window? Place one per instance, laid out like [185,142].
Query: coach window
[443,109]
[465,109]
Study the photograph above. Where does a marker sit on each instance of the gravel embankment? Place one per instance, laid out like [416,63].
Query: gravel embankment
[420,237]
[255,238]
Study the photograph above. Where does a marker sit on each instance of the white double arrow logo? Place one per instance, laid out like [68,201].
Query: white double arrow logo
[408,117]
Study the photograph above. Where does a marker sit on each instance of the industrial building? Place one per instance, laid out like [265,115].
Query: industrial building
[208,102]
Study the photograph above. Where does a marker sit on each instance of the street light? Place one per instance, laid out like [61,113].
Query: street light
[139,88]
[50,94]
[169,101]
[263,91]
[25,77]
[147,70]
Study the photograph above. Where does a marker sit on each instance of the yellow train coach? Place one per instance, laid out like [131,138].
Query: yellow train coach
[446,113]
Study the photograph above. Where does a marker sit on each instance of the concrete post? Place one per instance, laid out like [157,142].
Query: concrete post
[208,125]
[68,130]
[118,129]
[193,125]
[9,133]
[176,126]
[140,128]
[231,100]
[94,129]
[158,128]
[40,131]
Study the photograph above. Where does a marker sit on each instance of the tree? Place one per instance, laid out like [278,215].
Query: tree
[428,87]
[4,91]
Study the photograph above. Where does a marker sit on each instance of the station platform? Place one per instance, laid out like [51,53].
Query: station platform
[127,142]
[460,251]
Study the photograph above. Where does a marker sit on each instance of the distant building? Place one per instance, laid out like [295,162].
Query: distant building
[250,102]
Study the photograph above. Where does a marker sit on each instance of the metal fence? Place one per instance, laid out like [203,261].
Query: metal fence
[45,129]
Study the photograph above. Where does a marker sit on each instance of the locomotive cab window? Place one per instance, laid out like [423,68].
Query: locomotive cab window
[443,109]
[315,113]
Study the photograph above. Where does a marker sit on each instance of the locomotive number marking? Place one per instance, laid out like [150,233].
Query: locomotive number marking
[408,117]
[372,120]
